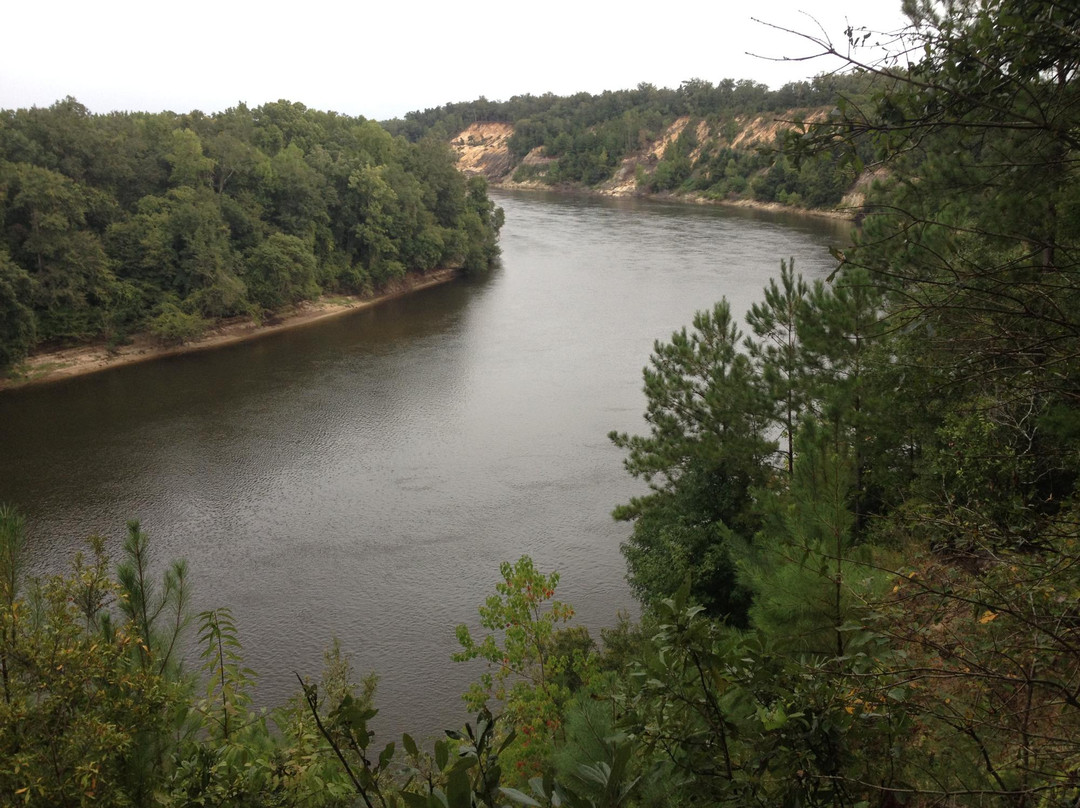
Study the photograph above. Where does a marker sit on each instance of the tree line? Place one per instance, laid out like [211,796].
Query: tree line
[111,224]
[858,556]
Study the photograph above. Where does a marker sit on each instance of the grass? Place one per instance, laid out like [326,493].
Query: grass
[27,373]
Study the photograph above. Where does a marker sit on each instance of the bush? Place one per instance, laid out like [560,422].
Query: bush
[172,326]
[282,270]
[225,297]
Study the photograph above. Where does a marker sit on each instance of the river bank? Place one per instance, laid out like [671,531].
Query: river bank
[51,366]
[851,211]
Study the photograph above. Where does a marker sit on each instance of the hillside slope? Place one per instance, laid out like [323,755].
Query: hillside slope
[720,159]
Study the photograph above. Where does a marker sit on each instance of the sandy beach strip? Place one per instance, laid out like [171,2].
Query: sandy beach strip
[50,366]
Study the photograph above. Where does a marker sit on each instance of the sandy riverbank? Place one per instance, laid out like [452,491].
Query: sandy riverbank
[50,366]
[849,212]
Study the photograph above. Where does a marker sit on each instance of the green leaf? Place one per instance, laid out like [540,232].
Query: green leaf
[509,739]
[542,786]
[464,763]
[458,792]
[519,797]
[387,755]
[772,719]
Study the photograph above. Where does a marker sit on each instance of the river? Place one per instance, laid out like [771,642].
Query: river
[363,477]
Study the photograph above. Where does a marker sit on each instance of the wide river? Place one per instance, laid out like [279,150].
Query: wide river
[363,477]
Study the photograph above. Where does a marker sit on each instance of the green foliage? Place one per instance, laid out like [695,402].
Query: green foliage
[156,617]
[676,166]
[107,221]
[528,666]
[594,761]
[777,351]
[228,682]
[722,717]
[172,326]
[76,710]
[18,327]
[189,165]
[482,221]
[48,232]
[11,549]
[280,271]
[810,579]
[703,457]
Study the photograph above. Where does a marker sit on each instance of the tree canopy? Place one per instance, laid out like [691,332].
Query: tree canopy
[113,223]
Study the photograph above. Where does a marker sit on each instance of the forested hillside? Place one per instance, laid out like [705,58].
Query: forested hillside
[115,223]
[858,558]
[723,141]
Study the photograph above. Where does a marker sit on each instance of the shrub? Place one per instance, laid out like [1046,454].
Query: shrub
[172,326]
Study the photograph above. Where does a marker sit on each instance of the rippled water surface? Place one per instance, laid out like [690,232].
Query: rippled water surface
[363,477]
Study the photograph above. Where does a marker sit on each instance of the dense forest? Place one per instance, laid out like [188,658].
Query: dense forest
[858,557]
[592,141]
[111,224]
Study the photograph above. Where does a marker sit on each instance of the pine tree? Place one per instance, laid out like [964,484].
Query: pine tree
[705,454]
[840,326]
[803,567]
[777,352]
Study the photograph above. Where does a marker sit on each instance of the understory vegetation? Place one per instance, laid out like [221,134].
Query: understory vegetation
[857,555]
[113,224]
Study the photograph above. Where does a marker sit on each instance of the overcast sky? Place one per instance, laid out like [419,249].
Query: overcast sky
[383,59]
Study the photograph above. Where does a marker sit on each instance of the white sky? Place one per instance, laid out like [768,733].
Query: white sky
[383,59]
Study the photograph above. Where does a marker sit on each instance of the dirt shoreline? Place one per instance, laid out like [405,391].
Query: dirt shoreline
[52,366]
[849,212]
